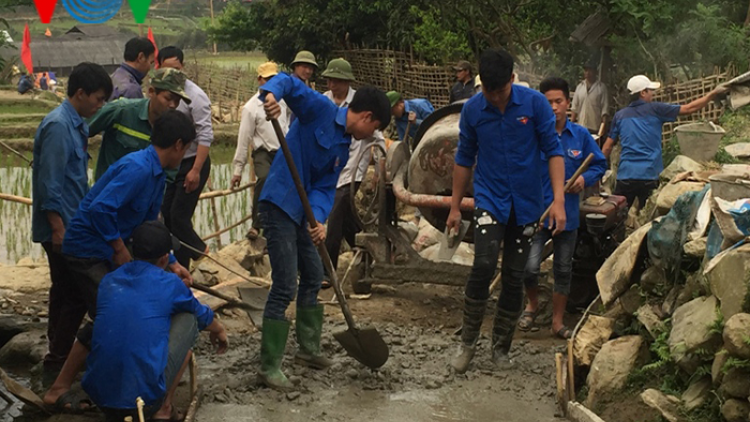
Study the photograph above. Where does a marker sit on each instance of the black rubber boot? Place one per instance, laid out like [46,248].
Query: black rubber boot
[473,315]
[502,337]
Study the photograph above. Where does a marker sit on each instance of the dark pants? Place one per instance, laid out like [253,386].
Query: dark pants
[183,333]
[488,235]
[632,189]
[291,252]
[87,273]
[262,161]
[564,245]
[341,222]
[178,209]
[66,310]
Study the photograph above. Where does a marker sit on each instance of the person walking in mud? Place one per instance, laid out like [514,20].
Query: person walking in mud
[319,141]
[504,130]
[577,143]
[59,183]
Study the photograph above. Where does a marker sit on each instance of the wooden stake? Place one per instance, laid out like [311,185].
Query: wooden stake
[226,229]
[215,214]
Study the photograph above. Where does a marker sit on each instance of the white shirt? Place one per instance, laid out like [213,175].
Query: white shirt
[590,104]
[356,147]
[200,110]
[256,129]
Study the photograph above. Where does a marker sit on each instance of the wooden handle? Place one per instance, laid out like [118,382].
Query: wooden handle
[584,165]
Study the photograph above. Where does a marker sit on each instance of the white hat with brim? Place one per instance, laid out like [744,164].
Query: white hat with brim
[638,83]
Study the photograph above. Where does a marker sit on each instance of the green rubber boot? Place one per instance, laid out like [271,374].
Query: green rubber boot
[272,345]
[309,328]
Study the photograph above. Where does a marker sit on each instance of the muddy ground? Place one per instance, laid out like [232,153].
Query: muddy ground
[415,385]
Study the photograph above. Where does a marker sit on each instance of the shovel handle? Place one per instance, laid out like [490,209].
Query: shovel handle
[310,216]
[584,165]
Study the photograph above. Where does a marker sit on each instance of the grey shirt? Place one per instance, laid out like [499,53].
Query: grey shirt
[199,110]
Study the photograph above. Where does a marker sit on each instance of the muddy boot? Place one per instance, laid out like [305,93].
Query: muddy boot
[272,345]
[473,315]
[309,328]
[502,336]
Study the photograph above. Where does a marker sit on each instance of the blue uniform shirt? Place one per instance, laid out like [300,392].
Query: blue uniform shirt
[577,143]
[59,175]
[422,108]
[506,148]
[319,145]
[638,127]
[129,193]
[129,347]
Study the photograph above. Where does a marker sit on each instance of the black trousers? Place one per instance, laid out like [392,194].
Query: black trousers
[178,209]
[262,161]
[488,235]
[87,273]
[632,189]
[66,309]
[341,222]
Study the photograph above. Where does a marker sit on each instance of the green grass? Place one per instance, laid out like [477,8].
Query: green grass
[228,59]
[31,108]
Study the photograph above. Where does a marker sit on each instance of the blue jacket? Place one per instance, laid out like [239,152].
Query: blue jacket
[319,144]
[128,194]
[638,127]
[577,143]
[506,149]
[422,108]
[129,347]
[59,174]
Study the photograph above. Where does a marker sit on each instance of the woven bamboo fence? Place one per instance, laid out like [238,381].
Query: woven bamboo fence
[227,88]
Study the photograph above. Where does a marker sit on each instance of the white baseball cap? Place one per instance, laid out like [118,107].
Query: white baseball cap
[638,83]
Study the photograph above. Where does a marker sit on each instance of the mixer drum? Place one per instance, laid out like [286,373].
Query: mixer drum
[431,164]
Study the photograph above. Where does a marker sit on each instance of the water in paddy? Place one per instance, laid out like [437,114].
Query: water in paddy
[15,218]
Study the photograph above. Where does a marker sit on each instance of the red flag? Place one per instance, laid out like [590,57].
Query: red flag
[26,50]
[156,53]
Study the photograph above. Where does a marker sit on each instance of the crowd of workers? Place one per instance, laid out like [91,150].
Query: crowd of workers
[110,256]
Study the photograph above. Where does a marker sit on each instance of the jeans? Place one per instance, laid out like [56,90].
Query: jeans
[262,161]
[178,208]
[291,251]
[183,333]
[632,189]
[564,245]
[488,234]
[66,310]
[87,272]
[341,222]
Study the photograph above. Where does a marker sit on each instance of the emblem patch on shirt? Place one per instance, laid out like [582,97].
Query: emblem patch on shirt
[574,153]
[338,161]
[523,119]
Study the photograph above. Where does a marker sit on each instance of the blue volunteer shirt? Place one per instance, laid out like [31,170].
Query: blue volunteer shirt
[422,108]
[129,193]
[638,127]
[129,348]
[577,143]
[59,175]
[506,148]
[319,144]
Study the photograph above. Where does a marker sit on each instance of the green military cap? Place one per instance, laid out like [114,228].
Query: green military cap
[393,97]
[171,80]
[339,69]
[305,56]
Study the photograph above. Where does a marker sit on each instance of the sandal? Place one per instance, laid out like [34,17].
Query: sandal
[563,333]
[325,284]
[175,416]
[526,322]
[70,402]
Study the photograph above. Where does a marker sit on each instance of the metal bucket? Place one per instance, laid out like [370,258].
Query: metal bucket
[699,141]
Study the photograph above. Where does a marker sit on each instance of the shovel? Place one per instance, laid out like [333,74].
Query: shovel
[22,393]
[363,344]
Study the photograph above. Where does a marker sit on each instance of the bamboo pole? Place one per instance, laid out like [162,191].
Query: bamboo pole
[14,198]
[215,214]
[219,193]
[226,229]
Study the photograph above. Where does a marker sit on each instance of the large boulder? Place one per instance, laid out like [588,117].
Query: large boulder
[29,347]
[615,276]
[729,277]
[679,164]
[736,383]
[649,319]
[249,254]
[691,329]
[590,338]
[668,406]
[734,410]
[697,393]
[612,365]
[25,279]
[737,336]
[671,191]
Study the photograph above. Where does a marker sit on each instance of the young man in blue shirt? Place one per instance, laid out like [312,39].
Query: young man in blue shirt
[319,140]
[128,194]
[408,111]
[146,325]
[577,143]
[503,131]
[638,128]
[59,180]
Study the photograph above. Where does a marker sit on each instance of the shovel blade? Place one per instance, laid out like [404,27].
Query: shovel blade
[22,393]
[255,297]
[365,345]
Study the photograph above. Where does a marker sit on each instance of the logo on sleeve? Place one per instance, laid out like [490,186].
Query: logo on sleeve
[523,119]
[574,153]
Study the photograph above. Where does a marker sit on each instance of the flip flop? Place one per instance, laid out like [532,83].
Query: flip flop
[526,322]
[74,399]
[325,284]
[563,333]
[175,416]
